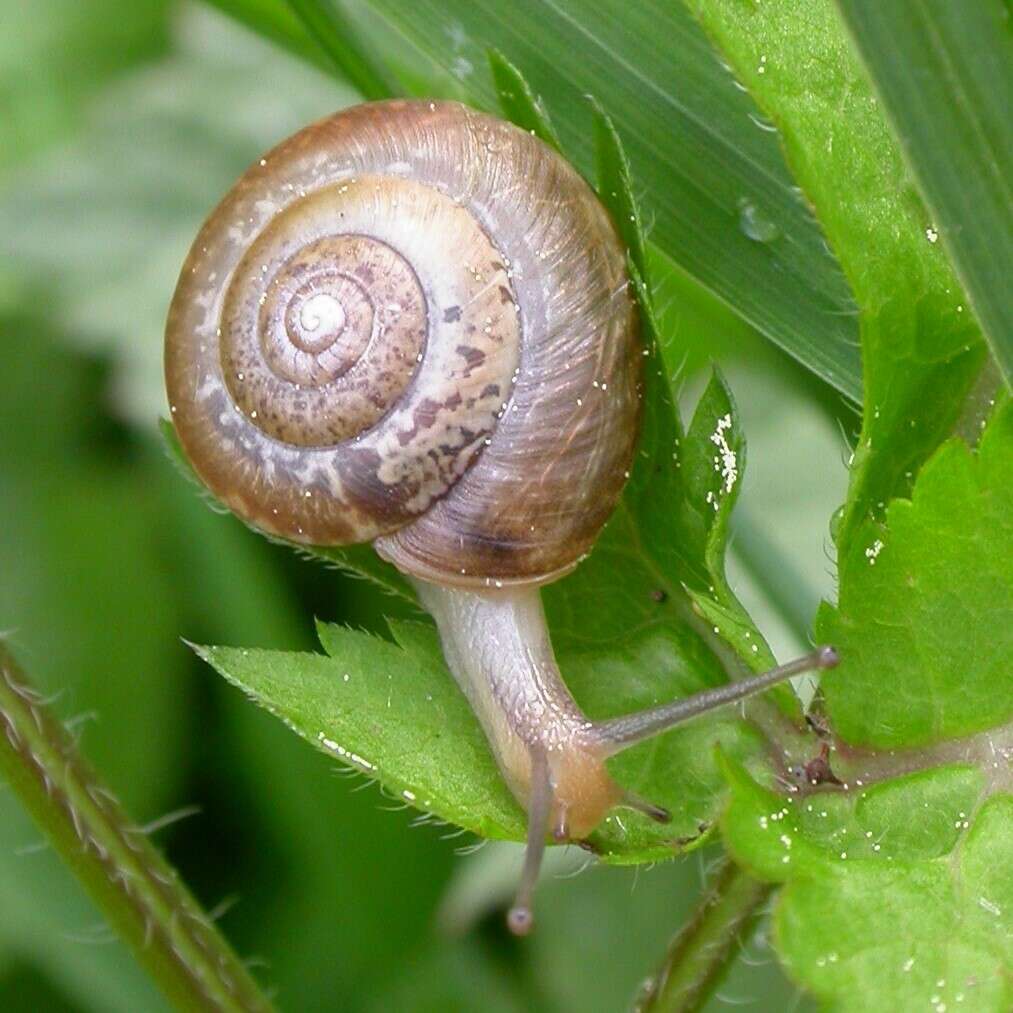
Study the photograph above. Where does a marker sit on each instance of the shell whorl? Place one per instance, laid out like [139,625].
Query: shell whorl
[410,324]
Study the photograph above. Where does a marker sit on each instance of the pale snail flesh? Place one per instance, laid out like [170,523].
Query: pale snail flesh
[411,324]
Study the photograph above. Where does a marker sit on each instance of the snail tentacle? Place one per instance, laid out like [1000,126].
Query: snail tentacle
[520,917]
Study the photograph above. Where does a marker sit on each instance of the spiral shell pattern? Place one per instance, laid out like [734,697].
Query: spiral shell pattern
[410,324]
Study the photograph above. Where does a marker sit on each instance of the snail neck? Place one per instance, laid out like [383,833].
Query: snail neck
[496,644]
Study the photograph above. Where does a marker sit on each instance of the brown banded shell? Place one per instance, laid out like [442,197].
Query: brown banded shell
[410,324]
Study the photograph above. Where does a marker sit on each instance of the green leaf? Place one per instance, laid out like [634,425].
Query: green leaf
[922,625]
[696,150]
[910,867]
[713,460]
[519,103]
[388,713]
[615,187]
[914,400]
[898,895]
[944,73]
[921,350]
[392,712]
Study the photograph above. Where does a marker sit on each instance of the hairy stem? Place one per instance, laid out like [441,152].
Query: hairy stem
[125,876]
[990,751]
[705,947]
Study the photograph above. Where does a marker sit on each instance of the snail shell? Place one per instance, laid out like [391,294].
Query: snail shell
[410,324]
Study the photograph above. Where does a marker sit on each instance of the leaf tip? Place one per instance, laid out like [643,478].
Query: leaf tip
[202,651]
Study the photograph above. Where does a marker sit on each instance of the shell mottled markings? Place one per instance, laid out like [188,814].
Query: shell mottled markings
[536,500]
[310,388]
[410,323]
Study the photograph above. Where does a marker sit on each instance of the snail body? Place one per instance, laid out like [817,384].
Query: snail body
[410,324]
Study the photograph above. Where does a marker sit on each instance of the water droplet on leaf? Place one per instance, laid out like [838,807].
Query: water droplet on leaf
[755,224]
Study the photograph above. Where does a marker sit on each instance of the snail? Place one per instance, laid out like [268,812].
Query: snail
[410,324]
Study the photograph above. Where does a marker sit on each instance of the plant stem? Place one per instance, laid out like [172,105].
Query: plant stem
[134,887]
[706,945]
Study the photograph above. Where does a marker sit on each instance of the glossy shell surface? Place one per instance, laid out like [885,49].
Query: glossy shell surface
[410,324]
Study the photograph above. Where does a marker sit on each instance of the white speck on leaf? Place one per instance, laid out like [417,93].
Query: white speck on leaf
[727,461]
[990,906]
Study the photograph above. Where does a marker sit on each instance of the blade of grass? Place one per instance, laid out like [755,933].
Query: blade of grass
[944,73]
[125,876]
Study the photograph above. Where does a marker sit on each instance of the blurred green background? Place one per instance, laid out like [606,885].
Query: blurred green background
[121,124]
